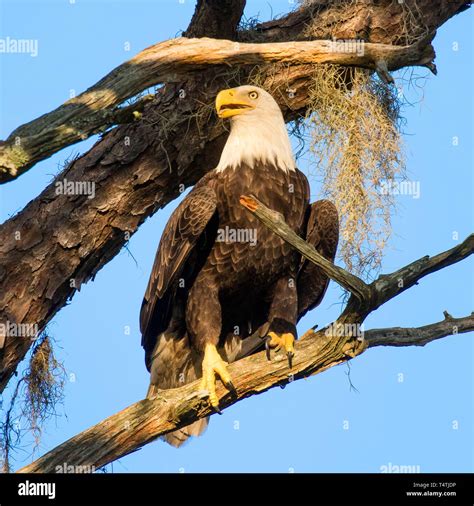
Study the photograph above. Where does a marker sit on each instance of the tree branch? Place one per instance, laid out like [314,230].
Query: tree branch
[170,61]
[419,336]
[275,222]
[143,422]
[389,285]
[385,287]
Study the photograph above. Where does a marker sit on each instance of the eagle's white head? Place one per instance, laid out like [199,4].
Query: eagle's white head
[258,133]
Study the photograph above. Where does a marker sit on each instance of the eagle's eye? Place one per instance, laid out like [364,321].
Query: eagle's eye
[253,95]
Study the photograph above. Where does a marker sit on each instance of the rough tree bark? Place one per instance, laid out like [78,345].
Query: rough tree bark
[59,242]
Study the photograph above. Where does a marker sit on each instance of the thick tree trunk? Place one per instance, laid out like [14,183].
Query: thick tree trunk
[59,242]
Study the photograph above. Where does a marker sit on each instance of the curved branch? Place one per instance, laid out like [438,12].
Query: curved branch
[143,422]
[170,61]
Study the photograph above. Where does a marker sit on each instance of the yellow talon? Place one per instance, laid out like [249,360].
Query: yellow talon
[276,342]
[213,365]
[284,340]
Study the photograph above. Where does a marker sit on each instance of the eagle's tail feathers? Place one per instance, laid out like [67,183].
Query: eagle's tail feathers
[180,436]
[174,364]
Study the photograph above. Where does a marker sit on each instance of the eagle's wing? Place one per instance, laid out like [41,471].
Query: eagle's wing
[322,231]
[181,234]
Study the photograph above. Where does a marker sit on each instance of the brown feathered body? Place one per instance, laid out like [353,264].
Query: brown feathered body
[221,275]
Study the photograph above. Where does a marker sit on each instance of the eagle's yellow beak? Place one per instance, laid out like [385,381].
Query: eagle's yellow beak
[230,103]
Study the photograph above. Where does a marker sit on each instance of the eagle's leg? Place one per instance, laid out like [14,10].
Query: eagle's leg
[204,323]
[212,366]
[282,315]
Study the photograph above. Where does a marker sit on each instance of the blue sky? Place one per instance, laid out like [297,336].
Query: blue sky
[413,405]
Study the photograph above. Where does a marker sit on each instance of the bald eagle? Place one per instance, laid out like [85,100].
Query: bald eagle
[223,286]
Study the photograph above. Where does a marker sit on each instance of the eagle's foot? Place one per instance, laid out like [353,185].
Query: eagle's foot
[213,365]
[276,341]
